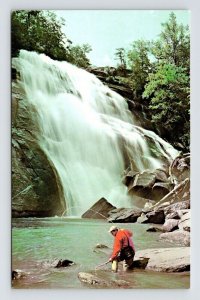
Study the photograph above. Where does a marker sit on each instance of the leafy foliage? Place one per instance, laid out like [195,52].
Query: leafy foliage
[159,76]
[169,93]
[140,65]
[41,31]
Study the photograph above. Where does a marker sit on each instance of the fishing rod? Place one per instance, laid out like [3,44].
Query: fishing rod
[103,264]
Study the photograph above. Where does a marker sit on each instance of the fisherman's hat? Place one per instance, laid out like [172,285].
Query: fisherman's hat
[112,228]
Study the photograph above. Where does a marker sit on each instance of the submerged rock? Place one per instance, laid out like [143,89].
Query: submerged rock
[64,263]
[100,210]
[92,279]
[18,274]
[58,263]
[166,259]
[155,228]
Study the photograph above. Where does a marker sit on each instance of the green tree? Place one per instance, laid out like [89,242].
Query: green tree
[173,45]
[120,55]
[79,55]
[140,66]
[41,31]
[168,89]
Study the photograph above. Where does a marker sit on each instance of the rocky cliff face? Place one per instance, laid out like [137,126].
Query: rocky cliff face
[36,188]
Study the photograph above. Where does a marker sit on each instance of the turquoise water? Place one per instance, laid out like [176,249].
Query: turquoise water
[38,242]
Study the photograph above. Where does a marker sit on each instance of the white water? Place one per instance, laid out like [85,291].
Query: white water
[85,130]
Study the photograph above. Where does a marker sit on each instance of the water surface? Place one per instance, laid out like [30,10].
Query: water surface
[38,242]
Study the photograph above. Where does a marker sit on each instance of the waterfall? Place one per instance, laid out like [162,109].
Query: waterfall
[86,130]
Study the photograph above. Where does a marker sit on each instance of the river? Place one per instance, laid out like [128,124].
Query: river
[38,242]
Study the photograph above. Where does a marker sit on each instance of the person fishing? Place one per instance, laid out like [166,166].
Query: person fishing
[123,248]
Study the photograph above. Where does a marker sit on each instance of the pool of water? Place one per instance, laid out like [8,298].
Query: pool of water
[38,242]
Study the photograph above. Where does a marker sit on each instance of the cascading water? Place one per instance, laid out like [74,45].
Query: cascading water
[86,130]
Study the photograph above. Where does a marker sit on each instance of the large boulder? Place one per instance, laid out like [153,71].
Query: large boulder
[36,187]
[179,237]
[166,259]
[147,184]
[100,210]
[126,215]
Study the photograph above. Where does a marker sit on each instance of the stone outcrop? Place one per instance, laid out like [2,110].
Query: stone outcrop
[100,210]
[149,185]
[166,259]
[36,187]
[125,215]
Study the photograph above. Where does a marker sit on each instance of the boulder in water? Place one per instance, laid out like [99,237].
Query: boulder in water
[100,210]
[58,263]
[166,259]
[93,279]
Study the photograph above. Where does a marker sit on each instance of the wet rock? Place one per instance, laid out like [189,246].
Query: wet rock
[101,248]
[170,225]
[166,259]
[179,237]
[179,194]
[142,219]
[173,215]
[140,263]
[64,263]
[161,189]
[184,223]
[182,212]
[173,208]
[31,168]
[155,228]
[127,215]
[58,263]
[155,216]
[142,184]
[100,210]
[92,279]
[161,175]
[180,168]
[18,274]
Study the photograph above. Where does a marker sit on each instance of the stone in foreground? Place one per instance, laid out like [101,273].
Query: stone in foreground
[166,259]
[92,279]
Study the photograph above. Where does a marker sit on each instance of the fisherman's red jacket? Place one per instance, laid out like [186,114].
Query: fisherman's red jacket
[122,240]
